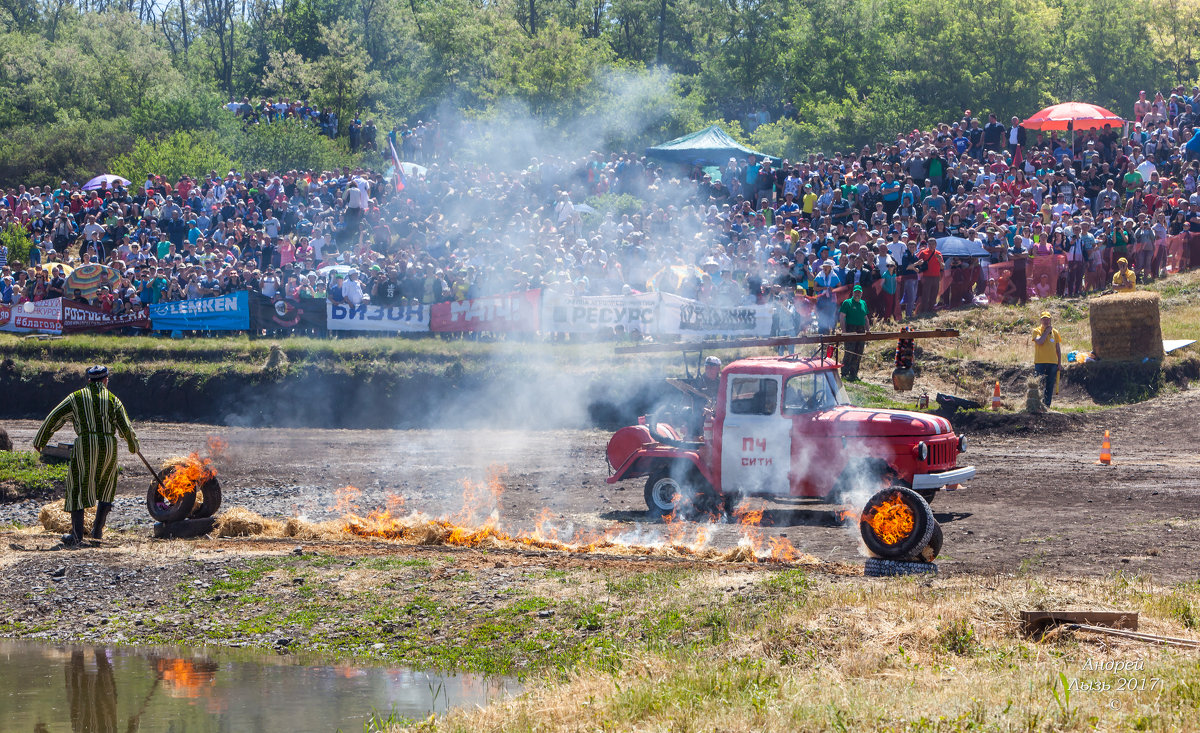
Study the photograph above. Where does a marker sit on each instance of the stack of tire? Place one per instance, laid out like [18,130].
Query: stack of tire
[912,555]
[191,515]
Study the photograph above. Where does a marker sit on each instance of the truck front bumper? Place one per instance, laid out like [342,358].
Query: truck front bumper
[943,478]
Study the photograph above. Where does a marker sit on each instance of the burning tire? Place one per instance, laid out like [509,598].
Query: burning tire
[934,548]
[210,499]
[167,511]
[896,523]
[877,568]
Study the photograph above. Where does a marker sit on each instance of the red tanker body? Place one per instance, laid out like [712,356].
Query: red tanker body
[784,426]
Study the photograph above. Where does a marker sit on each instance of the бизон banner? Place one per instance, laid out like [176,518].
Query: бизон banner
[409,318]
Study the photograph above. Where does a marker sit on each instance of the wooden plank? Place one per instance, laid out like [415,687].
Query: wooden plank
[841,338]
[1036,623]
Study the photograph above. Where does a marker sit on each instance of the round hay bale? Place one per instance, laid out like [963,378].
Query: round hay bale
[54,519]
[1126,326]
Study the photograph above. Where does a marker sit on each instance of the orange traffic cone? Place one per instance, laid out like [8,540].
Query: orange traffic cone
[1106,451]
[996,397]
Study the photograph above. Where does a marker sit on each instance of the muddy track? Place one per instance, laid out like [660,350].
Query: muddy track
[1040,503]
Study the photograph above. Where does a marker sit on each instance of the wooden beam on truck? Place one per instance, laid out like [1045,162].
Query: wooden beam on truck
[841,338]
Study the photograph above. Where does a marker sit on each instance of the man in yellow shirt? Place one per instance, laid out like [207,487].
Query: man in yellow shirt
[1124,280]
[1047,356]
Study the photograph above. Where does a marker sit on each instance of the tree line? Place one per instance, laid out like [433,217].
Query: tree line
[85,80]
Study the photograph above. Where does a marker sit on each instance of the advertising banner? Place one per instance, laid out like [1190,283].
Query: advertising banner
[497,313]
[600,313]
[694,320]
[275,314]
[44,316]
[77,318]
[401,319]
[5,315]
[222,313]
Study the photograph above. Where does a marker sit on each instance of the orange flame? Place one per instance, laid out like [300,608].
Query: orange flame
[891,520]
[185,678]
[477,524]
[217,447]
[187,476]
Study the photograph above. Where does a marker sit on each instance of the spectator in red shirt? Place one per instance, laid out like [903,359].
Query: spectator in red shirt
[931,275]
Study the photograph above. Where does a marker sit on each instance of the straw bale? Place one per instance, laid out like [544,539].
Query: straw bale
[1033,396]
[239,522]
[1126,326]
[55,519]
[303,530]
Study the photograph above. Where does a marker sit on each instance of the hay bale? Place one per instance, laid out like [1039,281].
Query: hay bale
[55,519]
[5,441]
[1126,326]
[239,522]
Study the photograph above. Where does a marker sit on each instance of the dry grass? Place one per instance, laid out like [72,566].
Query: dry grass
[855,654]
[54,519]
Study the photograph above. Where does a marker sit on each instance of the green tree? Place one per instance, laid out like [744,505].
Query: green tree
[16,238]
[286,145]
[182,153]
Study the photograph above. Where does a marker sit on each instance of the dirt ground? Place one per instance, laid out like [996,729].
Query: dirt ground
[1040,503]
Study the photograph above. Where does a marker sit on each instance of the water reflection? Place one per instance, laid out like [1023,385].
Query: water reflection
[48,688]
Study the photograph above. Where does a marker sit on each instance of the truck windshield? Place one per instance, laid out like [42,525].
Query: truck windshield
[813,391]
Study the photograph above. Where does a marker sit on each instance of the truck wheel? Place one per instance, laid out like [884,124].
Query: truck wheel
[928,495]
[686,495]
[903,524]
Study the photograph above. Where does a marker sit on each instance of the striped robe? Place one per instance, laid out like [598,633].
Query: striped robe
[97,415]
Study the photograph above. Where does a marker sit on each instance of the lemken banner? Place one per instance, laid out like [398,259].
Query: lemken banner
[411,318]
[222,313]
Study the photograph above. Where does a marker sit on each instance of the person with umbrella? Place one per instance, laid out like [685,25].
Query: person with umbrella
[97,416]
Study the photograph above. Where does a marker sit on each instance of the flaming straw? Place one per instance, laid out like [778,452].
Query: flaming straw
[477,524]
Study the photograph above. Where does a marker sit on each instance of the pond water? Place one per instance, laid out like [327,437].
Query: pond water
[48,688]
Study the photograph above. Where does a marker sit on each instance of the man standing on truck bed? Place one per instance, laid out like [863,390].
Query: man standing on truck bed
[855,318]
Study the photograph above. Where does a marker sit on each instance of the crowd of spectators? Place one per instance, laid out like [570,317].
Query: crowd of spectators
[748,232]
[418,143]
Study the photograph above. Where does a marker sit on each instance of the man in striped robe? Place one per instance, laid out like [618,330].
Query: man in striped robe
[97,416]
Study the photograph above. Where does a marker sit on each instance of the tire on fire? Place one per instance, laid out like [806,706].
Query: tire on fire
[210,499]
[165,511]
[679,488]
[904,520]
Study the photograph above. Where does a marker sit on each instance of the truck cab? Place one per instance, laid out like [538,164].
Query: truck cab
[784,426]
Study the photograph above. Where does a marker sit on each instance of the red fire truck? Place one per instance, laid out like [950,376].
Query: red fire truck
[784,426]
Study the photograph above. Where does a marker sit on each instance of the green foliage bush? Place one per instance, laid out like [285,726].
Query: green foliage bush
[285,146]
[74,149]
[18,242]
[182,153]
[616,204]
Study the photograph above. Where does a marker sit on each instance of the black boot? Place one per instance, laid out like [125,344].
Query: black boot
[76,535]
[102,510]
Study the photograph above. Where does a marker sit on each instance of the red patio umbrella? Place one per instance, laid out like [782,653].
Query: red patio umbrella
[1078,115]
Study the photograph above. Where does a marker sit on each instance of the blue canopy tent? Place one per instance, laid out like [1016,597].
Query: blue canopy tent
[959,247]
[711,146]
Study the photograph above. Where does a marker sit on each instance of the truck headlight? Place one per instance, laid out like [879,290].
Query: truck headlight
[923,451]
[962,444]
